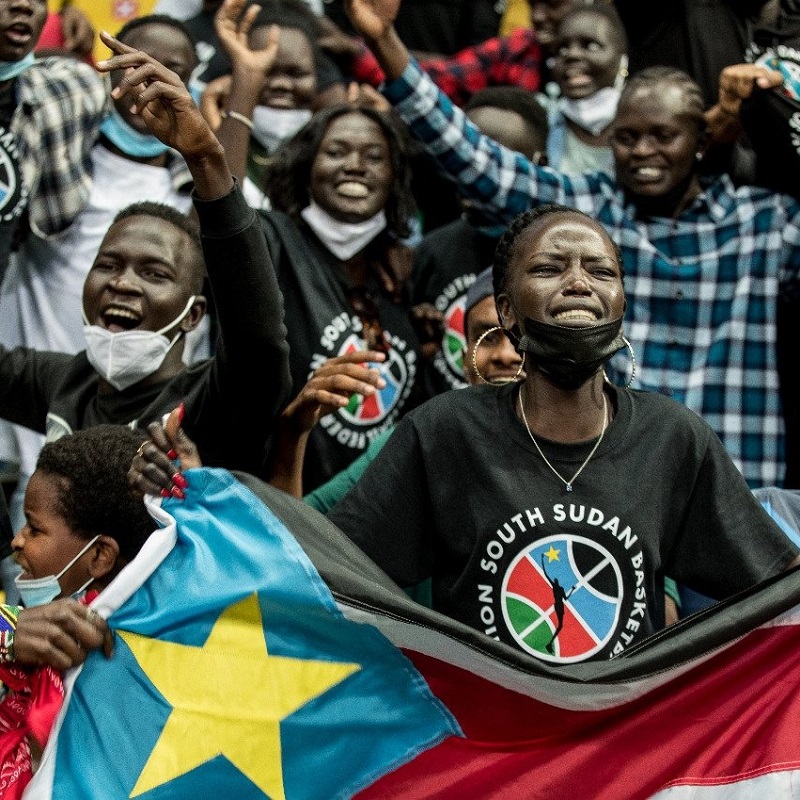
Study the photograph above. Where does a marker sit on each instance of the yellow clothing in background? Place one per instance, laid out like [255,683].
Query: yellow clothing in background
[517,15]
[108,15]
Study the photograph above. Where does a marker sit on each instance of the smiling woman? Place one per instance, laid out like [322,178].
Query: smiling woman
[589,68]
[341,205]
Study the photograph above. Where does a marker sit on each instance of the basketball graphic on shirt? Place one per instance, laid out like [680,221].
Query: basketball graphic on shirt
[375,408]
[562,597]
[454,339]
[12,192]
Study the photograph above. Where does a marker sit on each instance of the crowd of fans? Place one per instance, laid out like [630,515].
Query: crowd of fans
[417,263]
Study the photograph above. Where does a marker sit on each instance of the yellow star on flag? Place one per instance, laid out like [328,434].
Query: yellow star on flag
[552,554]
[228,698]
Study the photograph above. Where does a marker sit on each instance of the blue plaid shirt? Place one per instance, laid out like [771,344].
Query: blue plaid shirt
[701,289]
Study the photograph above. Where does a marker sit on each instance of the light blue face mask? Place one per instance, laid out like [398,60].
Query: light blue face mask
[129,140]
[38,591]
[10,69]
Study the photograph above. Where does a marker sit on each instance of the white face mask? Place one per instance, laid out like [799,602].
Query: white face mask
[594,113]
[343,239]
[127,357]
[38,591]
[271,126]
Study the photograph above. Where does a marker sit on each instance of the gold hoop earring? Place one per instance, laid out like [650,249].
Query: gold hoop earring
[633,366]
[475,351]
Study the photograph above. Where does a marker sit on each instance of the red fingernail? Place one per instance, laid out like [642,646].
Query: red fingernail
[181,411]
[176,492]
[172,455]
[179,480]
[166,493]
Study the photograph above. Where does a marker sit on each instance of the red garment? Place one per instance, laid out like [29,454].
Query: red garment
[512,60]
[30,706]
[51,36]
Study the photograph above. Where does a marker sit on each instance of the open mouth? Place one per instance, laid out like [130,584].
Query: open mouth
[647,174]
[19,33]
[280,101]
[119,318]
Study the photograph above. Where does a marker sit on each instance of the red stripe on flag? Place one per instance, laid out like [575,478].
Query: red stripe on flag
[734,716]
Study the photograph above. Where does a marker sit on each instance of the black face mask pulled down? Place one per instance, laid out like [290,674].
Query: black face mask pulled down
[570,356]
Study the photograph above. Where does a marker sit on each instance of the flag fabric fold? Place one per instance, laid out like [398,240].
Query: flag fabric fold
[260,654]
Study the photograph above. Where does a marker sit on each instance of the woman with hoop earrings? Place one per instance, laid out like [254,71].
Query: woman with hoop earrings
[608,487]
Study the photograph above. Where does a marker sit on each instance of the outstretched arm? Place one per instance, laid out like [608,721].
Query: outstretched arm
[162,100]
[491,175]
[249,69]
[544,568]
[374,19]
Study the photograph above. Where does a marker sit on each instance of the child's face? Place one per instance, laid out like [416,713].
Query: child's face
[46,543]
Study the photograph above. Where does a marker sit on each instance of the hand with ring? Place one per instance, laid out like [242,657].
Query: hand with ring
[157,468]
[60,634]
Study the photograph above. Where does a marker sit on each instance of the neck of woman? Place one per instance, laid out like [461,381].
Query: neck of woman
[565,415]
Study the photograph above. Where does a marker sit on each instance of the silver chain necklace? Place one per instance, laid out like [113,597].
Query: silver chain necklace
[567,483]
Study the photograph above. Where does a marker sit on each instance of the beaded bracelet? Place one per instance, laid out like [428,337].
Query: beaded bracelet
[8,623]
[239,118]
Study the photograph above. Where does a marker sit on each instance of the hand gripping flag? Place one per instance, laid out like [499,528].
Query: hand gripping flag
[234,673]
[260,654]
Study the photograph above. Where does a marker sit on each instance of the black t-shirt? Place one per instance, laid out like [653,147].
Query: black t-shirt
[446,263]
[13,193]
[700,38]
[460,494]
[321,324]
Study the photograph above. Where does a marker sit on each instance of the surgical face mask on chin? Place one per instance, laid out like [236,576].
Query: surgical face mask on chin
[38,591]
[132,142]
[273,126]
[570,356]
[594,113]
[127,357]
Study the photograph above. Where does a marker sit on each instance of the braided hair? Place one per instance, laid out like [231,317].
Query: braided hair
[654,76]
[507,246]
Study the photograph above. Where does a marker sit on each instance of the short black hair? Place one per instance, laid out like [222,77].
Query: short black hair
[290,14]
[512,98]
[656,75]
[155,19]
[94,498]
[288,175]
[148,208]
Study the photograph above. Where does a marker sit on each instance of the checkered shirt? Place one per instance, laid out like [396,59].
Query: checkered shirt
[701,289]
[61,104]
[513,60]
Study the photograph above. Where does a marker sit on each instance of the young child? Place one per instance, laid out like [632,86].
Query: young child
[82,525]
